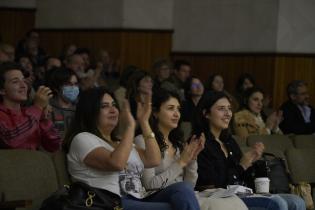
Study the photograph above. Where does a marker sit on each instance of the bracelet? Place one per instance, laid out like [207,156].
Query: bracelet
[149,136]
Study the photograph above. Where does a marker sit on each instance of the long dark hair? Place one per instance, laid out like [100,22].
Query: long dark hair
[241,80]
[210,80]
[87,113]
[247,94]
[209,99]
[176,136]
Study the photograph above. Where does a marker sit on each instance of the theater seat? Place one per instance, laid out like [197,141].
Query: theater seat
[272,142]
[304,141]
[30,175]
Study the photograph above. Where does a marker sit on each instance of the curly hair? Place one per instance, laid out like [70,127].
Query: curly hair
[176,136]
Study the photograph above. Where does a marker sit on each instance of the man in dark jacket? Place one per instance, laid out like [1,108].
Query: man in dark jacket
[298,115]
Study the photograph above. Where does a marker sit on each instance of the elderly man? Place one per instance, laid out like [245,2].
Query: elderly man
[298,115]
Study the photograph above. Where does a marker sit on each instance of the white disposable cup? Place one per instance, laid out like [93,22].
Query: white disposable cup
[262,185]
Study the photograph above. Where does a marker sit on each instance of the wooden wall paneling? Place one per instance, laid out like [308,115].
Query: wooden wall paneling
[289,68]
[15,23]
[142,48]
[55,40]
[231,67]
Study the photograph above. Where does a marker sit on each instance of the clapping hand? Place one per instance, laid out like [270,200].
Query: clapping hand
[191,150]
[252,155]
[126,116]
[144,108]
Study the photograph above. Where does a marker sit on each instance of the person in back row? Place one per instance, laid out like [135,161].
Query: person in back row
[298,114]
[176,82]
[222,163]
[251,120]
[64,83]
[20,127]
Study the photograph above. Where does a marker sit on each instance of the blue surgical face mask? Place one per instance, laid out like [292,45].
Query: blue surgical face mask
[70,93]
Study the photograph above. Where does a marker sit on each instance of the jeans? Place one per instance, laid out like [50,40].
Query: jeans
[277,201]
[178,196]
[289,201]
[260,203]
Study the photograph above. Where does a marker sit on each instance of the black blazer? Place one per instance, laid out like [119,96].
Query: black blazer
[214,168]
[293,121]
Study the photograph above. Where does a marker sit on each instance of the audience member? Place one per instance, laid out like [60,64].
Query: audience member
[108,70]
[66,52]
[222,163]
[64,84]
[162,70]
[52,62]
[24,128]
[176,82]
[216,83]
[139,86]
[244,82]
[194,91]
[99,159]
[298,114]
[251,120]
[77,64]
[7,53]
[178,157]
[28,71]
[85,54]
[30,45]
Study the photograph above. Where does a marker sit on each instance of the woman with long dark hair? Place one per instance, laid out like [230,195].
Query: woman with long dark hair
[222,163]
[96,157]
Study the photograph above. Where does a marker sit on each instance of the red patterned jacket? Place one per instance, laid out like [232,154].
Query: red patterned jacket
[27,130]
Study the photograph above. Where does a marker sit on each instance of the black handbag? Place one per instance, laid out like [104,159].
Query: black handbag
[81,196]
[272,167]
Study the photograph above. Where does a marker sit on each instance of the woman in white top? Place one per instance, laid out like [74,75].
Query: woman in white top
[97,158]
[178,157]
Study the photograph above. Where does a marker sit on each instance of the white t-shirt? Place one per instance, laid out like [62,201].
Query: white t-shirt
[130,177]
[81,145]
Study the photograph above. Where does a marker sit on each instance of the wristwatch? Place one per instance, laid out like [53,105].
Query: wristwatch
[149,136]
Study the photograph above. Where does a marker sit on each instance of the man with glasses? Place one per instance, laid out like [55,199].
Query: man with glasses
[298,115]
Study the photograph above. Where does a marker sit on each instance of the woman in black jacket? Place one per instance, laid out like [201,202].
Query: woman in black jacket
[222,163]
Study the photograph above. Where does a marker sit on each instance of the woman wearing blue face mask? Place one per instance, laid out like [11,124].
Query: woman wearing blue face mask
[64,84]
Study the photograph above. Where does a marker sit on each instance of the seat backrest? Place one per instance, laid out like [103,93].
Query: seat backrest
[241,142]
[304,141]
[60,163]
[27,175]
[301,164]
[278,142]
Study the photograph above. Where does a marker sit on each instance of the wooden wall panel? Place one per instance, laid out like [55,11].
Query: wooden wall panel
[139,48]
[272,72]
[290,68]
[15,23]
[232,66]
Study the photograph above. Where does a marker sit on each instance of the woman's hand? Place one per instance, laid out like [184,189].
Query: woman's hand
[126,117]
[190,151]
[258,149]
[252,155]
[200,144]
[144,109]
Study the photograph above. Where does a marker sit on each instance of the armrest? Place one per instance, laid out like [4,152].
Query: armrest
[8,205]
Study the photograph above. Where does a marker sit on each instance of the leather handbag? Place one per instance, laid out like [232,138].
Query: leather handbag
[272,167]
[81,196]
